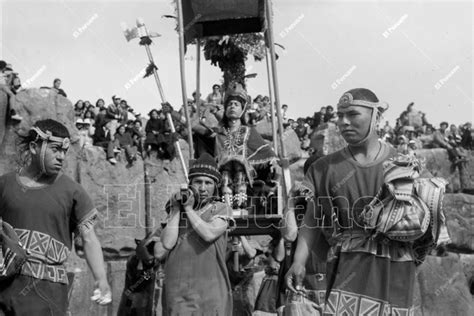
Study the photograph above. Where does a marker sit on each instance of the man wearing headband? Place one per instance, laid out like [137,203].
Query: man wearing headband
[196,277]
[46,208]
[364,274]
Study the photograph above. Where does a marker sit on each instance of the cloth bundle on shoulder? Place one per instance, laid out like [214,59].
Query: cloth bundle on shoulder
[407,208]
[13,255]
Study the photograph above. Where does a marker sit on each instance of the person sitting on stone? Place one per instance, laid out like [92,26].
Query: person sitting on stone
[16,84]
[91,108]
[441,140]
[124,110]
[330,115]
[86,131]
[153,128]
[79,109]
[466,136]
[123,140]
[427,137]
[158,131]
[7,85]
[138,134]
[242,154]
[100,103]
[56,87]
[114,113]
[318,117]
[104,138]
[301,129]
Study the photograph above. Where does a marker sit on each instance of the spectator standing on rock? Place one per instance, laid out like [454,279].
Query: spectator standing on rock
[57,85]
[47,208]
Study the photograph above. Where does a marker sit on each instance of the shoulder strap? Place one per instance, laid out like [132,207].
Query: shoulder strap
[431,191]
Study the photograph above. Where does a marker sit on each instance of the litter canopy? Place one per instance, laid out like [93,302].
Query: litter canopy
[204,18]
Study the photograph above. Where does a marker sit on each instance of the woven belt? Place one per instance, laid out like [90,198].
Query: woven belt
[42,271]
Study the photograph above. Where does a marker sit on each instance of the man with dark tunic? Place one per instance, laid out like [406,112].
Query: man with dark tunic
[365,275]
[47,208]
[196,278]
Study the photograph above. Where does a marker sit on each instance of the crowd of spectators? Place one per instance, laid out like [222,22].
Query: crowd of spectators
[117,127]
[412,131]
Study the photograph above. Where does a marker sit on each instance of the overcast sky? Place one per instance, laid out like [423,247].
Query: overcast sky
[418,51]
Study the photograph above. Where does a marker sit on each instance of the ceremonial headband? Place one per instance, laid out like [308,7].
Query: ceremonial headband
[347,100]
[48,136]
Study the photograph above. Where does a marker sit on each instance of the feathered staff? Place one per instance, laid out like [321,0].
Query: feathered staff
[141,32]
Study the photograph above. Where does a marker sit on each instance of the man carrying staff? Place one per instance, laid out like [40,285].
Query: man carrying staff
[364,274]
[46,208]
[196,278]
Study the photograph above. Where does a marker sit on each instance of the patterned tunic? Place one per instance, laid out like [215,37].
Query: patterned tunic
[365,277]
[245,146]
[45,219]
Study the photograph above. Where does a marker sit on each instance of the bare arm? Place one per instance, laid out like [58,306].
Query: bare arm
[95,259]
[169,235]
[307,235]
[249,250]
[207,231]
[289,227]
[279,251]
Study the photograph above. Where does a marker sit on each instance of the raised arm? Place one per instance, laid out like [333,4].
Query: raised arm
[208,231]
[169,235]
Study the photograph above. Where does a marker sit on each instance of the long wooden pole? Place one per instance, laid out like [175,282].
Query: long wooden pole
[284,160]
[272,106]
[163,99]
[198,74]
[183,77]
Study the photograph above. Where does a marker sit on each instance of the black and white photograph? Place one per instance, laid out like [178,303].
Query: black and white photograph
[236,157]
